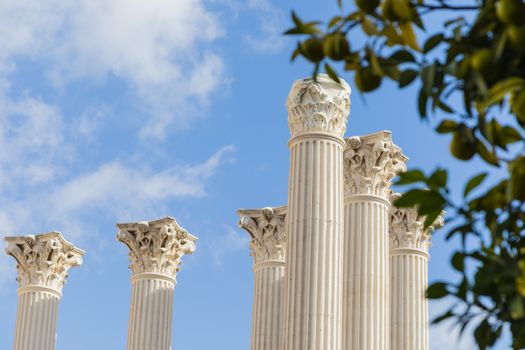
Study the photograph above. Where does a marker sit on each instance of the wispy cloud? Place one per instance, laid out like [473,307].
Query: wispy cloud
[160,49]
[272,22]
[231,241]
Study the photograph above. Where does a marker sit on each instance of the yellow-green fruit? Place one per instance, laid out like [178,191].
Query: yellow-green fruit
[366,80]
[336,46]
[387,10]
[461,148]
[516,37]
[482,60]
[367,5]
[511,12]
[312,49]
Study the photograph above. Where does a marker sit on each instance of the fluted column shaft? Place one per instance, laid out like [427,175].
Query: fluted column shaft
[371,161]
[36,319]
[266,227]
[151,312]
[267,319]
[314,249]
[409,246]
[155,252]
[366,273]
[409,307]
[317,116]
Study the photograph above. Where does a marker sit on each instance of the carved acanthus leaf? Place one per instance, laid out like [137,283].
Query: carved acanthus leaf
[370,164]
[267,228]
[43,260]
[321,105]
[406,228]
[156,246]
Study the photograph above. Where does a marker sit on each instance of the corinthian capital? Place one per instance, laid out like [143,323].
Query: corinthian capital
[321,105]
[268,232]
[406,228]
[43,260]
[370,164]
[156,246]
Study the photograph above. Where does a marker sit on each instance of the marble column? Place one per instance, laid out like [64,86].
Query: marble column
[155,252]
[370,162]
[409,244]
[43,262]
[317,116]
[267,231]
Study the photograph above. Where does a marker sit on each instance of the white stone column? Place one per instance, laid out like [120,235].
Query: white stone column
[155,252]
[409,244]
[371,162]
[43,262]
[267,231]
[317,116]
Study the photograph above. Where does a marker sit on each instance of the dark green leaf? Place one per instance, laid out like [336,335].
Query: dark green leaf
[402,56]
[447,126]
[458,261]
[331,73]
[486,155]
[407,77]
[473,183]
[432,42]
[437,290]
[410,177]
[438,179]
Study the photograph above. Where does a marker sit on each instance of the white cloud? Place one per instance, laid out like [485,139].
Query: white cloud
[272,23]
[156,47]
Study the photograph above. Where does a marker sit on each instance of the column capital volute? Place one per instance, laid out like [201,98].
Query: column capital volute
[407,228]
[370,164]
[43,260]
[267,229]
[156,246]
[318,105]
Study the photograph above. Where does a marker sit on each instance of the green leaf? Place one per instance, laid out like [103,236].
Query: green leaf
[473,183]
[331,73]
[437,290]
[499,90]
[517,310]
[422,100]
[443,317]
[427,76]
[374,63]
[447,126]
[407,77]
[509,135]
[484,335]
[432,42]
[410,177]
[369,26]
[296,20]
[438,179]
[409,37]
[431,218]
[402,56]
[486,155]
[458,261]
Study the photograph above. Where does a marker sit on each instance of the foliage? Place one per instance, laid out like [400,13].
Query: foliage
[477,57]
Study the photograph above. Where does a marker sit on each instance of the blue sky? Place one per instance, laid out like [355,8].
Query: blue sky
[124,110]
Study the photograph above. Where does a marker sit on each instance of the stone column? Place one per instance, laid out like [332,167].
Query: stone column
[317,116]
[267,230]
[155,252]
[43,262]
[409,244]
[370,162]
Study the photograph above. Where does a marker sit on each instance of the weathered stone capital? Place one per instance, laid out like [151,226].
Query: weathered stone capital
[370,164]
[406,228]
[321,105]
[267,229]
[43,260]
[156,246]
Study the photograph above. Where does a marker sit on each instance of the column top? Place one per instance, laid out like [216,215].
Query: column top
[370,163]
[318,106]
[156,246]
[267,229]
[43,260]
[406,228]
